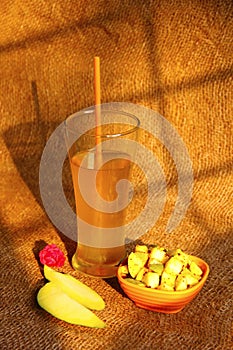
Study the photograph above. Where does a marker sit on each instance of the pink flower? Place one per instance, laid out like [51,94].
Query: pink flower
[51,255]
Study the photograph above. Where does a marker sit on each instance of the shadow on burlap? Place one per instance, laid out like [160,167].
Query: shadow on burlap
[175,58]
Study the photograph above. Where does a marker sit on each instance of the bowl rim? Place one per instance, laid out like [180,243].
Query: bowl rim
[196,259]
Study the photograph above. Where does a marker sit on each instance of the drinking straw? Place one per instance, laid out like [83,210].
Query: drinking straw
[97,98]
[97,79]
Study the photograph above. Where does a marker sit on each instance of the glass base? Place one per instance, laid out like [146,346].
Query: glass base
[94,270]
[98,262]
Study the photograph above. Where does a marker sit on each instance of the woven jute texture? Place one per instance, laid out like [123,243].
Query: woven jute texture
[174,57]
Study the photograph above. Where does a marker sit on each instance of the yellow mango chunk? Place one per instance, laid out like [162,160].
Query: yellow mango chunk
[165,286]
[190,278]
[151,279]
[53,300]
[141,273]
[141,248]
[181,283]
[136,261]
[159,254]
[75,289]
[195,269]
[173,265]
[168,279]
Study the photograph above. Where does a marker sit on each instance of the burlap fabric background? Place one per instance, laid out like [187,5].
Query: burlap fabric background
[172,56]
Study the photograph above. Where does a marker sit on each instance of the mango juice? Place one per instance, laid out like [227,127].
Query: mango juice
[98,252]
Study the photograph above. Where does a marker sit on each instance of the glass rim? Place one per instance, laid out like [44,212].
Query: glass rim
[107,135]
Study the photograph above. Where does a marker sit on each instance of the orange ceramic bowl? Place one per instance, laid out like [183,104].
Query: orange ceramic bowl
[162,300]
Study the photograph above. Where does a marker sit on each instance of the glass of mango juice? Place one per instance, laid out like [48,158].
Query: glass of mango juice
[101,146]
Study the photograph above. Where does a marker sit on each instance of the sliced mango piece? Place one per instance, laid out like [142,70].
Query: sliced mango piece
[151,279]
[173,265]
[165,286]
[141,273]
[181,283]
[75,289]
[52,299]
[159,254]
[141,248]
[136,261]
[183,257]
[195,269]
[124,270]
[168,279]
[138,283]
[190,278]
[152,261]
[156,267]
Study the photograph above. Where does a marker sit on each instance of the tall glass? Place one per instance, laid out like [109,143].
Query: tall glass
[101,152]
